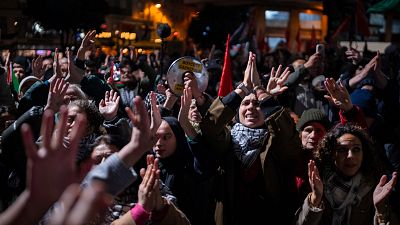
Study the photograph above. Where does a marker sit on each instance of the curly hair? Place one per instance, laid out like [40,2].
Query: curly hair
[370,167]
[93,116]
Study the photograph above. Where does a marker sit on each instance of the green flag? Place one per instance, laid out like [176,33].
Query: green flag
[15,82]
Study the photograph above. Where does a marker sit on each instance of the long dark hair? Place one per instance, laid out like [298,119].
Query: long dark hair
[370,166]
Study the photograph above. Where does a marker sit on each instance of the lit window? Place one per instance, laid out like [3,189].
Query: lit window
[274,41]
[308,20]
[378,21]
[396,26]
[276,18]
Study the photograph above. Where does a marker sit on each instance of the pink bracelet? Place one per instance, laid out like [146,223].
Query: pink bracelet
[139,214]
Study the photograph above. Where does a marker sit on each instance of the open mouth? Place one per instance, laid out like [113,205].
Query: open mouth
[251,116]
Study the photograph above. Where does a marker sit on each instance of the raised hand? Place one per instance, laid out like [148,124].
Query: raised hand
[106,60]
[338,95]
[88,40]
[108,106]
[171,99]
[316,184]
[190,81]
[186,101]
[7,60]
[277,81]
[54,164]
[149,196]
[37,67]
[314,61]
[382,192]
[154,114]
[49,170]
[80,206]
[142,139]
[373,66]
[58,88]
[56,67]
[255,76]
[74,74]
[87,44]
[354,55]
[247,79]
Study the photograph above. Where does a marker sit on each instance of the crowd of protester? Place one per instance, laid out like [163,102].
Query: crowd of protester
[88,138]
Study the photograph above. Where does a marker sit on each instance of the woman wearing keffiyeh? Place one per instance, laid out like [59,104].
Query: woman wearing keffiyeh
[258,156]
[345,192]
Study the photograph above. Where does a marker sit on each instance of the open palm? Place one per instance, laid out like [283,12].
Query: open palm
[316,184]
[338,94]
[276,83]
[108,106]
[383,190]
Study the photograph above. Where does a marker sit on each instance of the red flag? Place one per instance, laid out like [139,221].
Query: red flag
[9,74]
[298,40]
[342,27]
[225,85]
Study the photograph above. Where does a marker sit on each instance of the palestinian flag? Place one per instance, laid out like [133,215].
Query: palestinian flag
[12,78]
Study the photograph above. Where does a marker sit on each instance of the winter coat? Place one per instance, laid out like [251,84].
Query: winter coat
[272,190]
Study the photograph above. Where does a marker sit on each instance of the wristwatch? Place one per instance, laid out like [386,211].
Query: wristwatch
[243,87]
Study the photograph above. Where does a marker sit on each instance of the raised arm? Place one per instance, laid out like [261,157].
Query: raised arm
[56,67]
[371,66]
[86,45]
[380,198]
[312,209]
[142,139]
[340,98]
[108,106]
[58,88]
[5,92]
[75,74]
[37,67]
[186,100]
[151,205]
[380,78]
[45,166]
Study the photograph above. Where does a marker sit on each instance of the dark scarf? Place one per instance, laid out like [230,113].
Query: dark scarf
[173,166]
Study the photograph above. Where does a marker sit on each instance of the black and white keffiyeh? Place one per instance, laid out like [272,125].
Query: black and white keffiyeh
[160,98]
[247,143]
[127,96]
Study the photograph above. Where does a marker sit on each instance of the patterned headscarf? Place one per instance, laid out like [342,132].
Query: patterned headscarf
[247,143]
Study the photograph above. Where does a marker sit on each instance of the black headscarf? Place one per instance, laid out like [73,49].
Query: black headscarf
[174,165]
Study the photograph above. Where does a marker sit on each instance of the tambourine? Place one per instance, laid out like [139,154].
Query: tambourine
[178,69]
